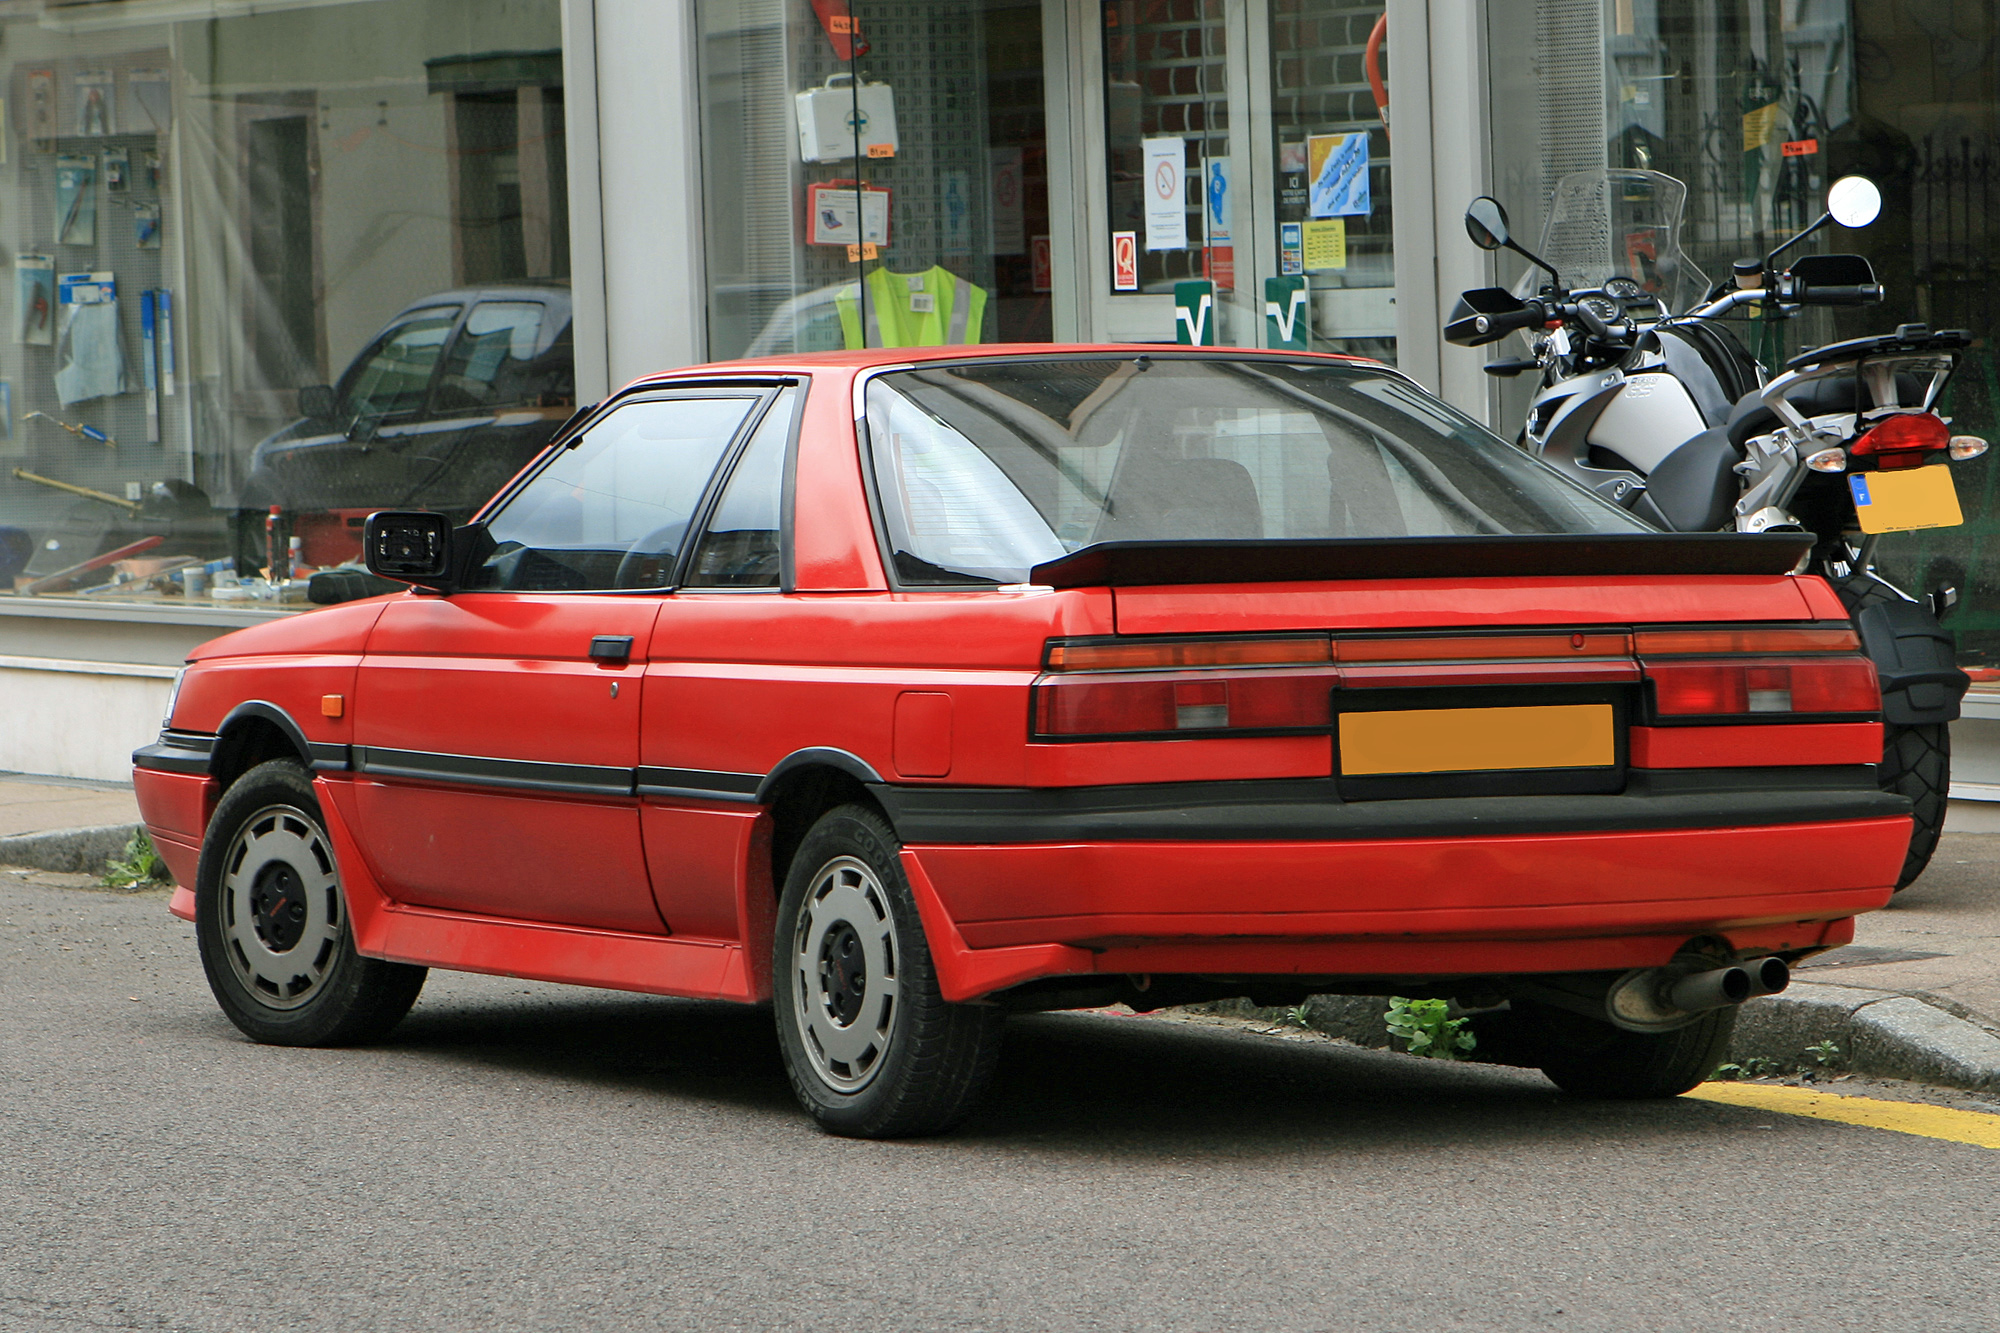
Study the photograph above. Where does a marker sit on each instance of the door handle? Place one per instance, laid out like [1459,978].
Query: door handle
[611,648]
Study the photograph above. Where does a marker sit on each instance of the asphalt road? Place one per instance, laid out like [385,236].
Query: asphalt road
[538,1158]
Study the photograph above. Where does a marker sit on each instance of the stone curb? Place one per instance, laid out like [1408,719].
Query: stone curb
[1884,1034]
[75,850]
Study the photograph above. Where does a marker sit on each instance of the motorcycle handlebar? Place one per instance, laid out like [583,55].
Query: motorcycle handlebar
[1863,293]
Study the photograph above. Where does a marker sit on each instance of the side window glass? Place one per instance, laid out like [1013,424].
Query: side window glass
[392,377]
[741,547]
[498,360]
[612,510]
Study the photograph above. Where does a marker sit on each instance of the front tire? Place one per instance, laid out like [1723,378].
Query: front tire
[271,922]
[873,1050]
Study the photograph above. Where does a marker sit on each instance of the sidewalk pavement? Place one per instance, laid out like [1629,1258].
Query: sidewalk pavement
[1917,995]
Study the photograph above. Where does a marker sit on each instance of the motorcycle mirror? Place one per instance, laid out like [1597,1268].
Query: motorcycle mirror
[1486,223]
[1853,200]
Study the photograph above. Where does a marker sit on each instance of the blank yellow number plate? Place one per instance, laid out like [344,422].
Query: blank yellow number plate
[1460,740]
[1903,501]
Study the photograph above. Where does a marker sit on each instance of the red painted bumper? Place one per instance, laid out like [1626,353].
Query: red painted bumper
[1000,915]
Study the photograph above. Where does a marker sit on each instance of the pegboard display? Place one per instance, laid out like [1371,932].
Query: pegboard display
[31,221]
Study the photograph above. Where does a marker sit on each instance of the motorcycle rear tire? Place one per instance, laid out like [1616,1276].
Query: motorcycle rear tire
[1916,762]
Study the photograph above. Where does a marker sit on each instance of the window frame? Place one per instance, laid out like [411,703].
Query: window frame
[726,471]
[432,410]
[423,410]
[764,393]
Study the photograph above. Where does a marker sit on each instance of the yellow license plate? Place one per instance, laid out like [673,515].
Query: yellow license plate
[1462,740]
[1918,497]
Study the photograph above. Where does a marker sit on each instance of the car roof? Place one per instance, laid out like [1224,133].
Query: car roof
[553,292]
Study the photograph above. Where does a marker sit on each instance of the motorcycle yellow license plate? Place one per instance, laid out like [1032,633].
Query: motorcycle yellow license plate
[1903,501]
[1464,740]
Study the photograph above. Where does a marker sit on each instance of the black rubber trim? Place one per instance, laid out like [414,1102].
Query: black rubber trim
[1139,564]
[1310,809]
[176,752]
[852,765]
[479,771]
[321,756]
[700,783]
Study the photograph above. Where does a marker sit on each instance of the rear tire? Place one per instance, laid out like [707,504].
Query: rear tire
[1590,1058]
[271,922]
[873,1050]
[1916,762]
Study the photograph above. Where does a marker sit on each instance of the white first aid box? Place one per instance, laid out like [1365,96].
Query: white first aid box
[838,120]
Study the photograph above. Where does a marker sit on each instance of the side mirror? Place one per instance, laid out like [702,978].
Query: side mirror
[317,401]
[1854,201]
[1486,223]
[410,546]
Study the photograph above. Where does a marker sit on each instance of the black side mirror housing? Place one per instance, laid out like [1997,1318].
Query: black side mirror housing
[318,402]
[409,546]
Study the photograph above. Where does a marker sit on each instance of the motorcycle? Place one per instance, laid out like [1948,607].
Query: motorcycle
[1670,416]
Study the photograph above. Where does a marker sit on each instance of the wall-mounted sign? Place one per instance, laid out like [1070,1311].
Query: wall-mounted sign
[1124,261]
[1287,314]
[1194,314]
[1166,194]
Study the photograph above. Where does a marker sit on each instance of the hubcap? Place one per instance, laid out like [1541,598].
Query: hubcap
[844,967]
[281,917]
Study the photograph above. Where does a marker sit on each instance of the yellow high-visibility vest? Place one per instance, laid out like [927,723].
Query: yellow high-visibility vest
[935,308]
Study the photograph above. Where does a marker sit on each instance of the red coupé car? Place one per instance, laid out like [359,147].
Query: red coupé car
[905,689]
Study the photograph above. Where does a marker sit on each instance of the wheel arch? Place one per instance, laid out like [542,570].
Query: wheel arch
[805,785]
[253,733]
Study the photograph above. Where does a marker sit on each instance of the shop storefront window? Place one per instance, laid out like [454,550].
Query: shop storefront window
[1329,67]
[271,272]
[876,174]
[1758,106]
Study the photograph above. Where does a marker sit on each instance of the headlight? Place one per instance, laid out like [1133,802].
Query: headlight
[174,697]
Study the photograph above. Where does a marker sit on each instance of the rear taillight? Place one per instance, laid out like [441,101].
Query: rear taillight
[1903,441]
[1182,704]
[1735,672]
[1729,689]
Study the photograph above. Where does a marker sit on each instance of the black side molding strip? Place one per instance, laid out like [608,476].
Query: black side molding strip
[479,771]
[699,783]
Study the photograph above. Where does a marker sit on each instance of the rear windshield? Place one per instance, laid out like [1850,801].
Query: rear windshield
[990,468]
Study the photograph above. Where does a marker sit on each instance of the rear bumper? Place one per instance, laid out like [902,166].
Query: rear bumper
[1395,907]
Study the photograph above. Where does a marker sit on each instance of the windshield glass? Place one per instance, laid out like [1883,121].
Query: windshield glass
[990,468]
[1607,224]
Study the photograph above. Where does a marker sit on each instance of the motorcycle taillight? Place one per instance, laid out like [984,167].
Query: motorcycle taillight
[1903,441]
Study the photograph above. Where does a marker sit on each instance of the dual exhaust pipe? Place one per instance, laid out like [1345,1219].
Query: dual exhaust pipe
[1658,999]
[1729,985]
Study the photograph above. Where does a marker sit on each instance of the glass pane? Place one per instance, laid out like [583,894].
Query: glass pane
[1334,225]
[1757,107]
[741,548]
[612,511]
[986,471]
[1166,138]
[395,374]
[238,238]
[884,186]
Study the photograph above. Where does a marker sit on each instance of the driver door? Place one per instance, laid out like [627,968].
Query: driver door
[497,729]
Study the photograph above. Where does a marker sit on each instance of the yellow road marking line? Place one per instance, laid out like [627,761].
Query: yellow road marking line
[1921,1118]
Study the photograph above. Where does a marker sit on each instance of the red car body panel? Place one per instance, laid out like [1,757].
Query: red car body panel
[665,886]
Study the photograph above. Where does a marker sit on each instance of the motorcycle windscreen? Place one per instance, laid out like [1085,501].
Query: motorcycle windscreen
[1906,500]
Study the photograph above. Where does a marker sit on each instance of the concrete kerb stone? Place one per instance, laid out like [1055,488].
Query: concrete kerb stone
[1884,1034]
[74,850]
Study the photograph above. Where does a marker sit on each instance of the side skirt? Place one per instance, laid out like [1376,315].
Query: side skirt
[609,960]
